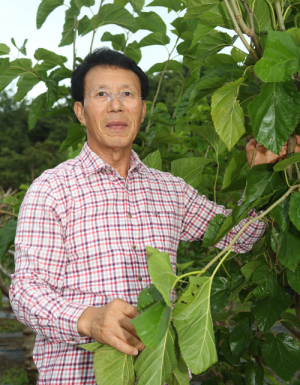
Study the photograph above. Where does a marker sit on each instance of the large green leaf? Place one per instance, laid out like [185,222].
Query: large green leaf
[153,160]
[4,49]
[25,83]
[205,87]
[294,279]
[180,376]
[50,59]
[248,269]
[189,169]
[75,135]
[267,280]
[282,354]
[154,38]
[208,133]
[137,5]
[36,109]
[183,102]
[233,177]
[218,295]
[84,3]
[44,10]
[161,273]
[195,7]
[175,5]
[288,250]
[151,21]
[163,118]
[294,210]
[133,51]
[118,40]
[266,311]
[281,58]
[69,27]
[83,25]
[275,114]
[227,113]
[212,230]
[202,30]
[239,338]
[254,375]
[262,17]
[113,367]
[214,42]
[281,213]
[52,89]
[7,236]
[193,323]
[217,16]
[173,65]
[12,71]
[284,164]
[234,360]
[154,366]
[91,347]
[290,320]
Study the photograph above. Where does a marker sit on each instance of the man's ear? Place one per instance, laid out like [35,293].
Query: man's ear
[78,109]
[143,111]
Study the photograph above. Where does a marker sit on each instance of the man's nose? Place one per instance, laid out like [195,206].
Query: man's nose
[115,103]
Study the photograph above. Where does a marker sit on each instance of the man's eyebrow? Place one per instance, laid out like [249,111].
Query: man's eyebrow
[107,86]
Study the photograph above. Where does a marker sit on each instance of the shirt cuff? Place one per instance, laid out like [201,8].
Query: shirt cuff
[67,322]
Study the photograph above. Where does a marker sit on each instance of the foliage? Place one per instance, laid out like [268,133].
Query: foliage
[14,376]
[222,317]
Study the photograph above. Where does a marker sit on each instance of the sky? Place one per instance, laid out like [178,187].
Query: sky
[18,21]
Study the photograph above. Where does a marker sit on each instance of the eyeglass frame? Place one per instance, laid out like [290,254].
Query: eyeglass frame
[112,93]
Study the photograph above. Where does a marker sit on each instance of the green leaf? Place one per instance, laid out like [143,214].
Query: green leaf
[227,113]
[234,360]
[152,324]
[151,21]
[183,102]
[154,366]
[11,201]
[92,347]
[281,213]
[118,40]
[248,269]
[25,83]
[218,295]
[202,30]
[12,71]
[189,169]
[44,10]
[281,58]
[275,114]
[212,230]
[36,109]
[83,25]
[268,282]
[75,135]
[282,354]
[284,164]
[180,376]
[68,29]
[133,51]
[238,55]
[219,60]
[233,177]
[193,323]
[50,59]
[266,311]
[254,375]
[161,273]
[4,49]
[175,5]
[290,320]
[195,7]
[154,38]
[112,366]
[52,89]
[173,65]
[239,338]
[153,160]
[288,250]
[262,17]
[294,209]
[163,118]
[208,133]
[217,16]
[22,49]
[293,278]
[148,296]
[205,87]
[213,43]
[84,3]
[295,33]
[7,236]
[137,5]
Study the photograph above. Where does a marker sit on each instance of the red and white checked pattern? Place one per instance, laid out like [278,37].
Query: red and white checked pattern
[81,238]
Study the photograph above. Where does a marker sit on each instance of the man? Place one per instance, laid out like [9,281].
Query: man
[83,227]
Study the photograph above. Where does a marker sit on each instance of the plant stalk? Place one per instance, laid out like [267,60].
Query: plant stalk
[293,330]
[279,16]
[3,212]
[95,22]
[297,305]
[74,42]
[252,29]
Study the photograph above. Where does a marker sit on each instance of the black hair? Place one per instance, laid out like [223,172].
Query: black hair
[105,57]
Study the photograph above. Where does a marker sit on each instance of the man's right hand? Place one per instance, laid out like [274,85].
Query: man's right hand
[110,324]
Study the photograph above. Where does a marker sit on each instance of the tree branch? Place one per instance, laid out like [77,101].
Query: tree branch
[95,22]
[279,16]
[4,287]
[292,329]
[4,271]
[216,373]
[252,30]
[3,212]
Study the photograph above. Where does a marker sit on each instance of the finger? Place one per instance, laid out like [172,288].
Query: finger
[129,338]
[122,346]
[130,311]
[251,145]
[297,139]
[127,325]
[296,149]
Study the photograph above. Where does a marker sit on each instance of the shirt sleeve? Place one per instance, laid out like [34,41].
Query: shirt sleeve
[40,263]
[199,212]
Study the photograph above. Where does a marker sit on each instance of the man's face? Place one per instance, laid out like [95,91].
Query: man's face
[110,125]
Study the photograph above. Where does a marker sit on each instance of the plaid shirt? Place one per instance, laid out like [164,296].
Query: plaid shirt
[81,238]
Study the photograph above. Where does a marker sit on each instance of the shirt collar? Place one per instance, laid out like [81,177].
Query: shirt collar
[92,163]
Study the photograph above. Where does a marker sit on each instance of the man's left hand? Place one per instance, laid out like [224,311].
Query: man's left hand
[266,156]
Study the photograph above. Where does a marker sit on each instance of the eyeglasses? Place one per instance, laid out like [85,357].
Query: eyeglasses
[103,96]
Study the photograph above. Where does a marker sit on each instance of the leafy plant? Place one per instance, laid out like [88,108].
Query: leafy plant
[227,304]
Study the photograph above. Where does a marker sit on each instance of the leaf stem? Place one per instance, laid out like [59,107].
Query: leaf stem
[239,32]
[3,212]
[95,22]
[253,159]
[279,16]
[74,42]
[221,263]
[216,179]
[286,179]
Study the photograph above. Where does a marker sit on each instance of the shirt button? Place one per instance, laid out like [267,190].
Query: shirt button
[129,216]
[139,278]
[71,339]
[127,187]
[103,171]
[134,247]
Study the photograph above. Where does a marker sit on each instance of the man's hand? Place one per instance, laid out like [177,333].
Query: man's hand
[111,325]
[266,156]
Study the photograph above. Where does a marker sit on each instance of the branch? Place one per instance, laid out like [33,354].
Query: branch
[95,22]
[297,305]
[4,287]
[216,373]
[4,271]
[292,330]
[74,42]
[252,30]
[279,16]
[3,212]
[239,32]
[237,262]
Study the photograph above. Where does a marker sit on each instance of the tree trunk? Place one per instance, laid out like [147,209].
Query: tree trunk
[28,344]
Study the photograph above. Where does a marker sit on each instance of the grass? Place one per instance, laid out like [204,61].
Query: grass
[14,376]
[10,326]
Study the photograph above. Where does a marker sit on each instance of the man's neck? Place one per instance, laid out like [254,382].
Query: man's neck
[119,159]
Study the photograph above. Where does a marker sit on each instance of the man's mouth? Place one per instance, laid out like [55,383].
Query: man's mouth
[117,125]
